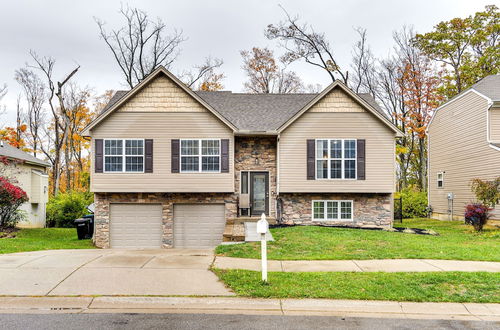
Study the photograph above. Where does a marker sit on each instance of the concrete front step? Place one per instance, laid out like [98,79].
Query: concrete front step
[241,220]
[234,233]
[235,228]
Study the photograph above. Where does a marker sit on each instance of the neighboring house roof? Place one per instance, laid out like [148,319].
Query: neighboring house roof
[489,86]
[261,112]
[9,151]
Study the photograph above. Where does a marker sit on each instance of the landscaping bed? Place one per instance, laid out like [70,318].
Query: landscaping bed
[455,240]
[43,239]
[479,287]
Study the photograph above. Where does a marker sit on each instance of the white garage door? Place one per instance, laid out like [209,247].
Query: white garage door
[135,225]
[198,225]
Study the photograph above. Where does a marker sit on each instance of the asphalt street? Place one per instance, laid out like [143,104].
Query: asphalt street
[219,322]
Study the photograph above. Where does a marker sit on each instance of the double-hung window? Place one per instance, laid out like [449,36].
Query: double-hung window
[332,210]
[440,179]
[125,155]
[336,159]
[201,155]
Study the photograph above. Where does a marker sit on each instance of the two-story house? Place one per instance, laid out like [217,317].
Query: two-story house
[172,167]
[464,143]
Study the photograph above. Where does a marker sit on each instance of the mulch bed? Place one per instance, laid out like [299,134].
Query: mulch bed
[8,232]
[405,230]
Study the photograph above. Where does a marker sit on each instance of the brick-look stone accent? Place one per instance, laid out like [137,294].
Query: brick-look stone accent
[103,201]
[370,210]
[256,154]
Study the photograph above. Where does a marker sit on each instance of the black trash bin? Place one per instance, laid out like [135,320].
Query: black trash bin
[90,217]
[82,228]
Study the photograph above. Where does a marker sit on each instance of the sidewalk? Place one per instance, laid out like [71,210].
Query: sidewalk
[382,265]
[227,305]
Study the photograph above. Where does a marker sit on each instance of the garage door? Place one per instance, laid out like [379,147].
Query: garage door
[198,225]
[135,225]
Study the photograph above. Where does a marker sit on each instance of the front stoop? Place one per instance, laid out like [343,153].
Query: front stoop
[235,228]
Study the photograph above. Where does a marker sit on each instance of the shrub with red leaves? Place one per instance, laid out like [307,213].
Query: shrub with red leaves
[476,214]
[11,198]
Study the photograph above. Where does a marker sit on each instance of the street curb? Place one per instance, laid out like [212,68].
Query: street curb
[249,306]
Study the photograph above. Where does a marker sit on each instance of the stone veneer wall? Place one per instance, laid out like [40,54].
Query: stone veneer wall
[102,200]
[370,210]
[256,154]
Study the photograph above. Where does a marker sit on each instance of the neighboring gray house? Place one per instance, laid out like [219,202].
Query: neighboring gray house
[464,143]
[177,168]
[31,175]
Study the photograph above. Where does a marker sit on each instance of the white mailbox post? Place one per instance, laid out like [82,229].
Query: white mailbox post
[262,228]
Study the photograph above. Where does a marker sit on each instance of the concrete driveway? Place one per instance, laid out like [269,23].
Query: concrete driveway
[109,272]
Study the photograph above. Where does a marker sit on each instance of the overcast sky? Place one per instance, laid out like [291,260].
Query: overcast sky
[66,30]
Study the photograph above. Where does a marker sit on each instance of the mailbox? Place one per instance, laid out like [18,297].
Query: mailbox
[262,225]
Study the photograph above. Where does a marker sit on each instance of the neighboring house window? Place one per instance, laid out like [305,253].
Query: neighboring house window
[332,210]
[440,180]
[200,155]
[124,155]
[336,159]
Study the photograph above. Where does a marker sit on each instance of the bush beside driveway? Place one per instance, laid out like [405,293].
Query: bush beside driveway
[456,241]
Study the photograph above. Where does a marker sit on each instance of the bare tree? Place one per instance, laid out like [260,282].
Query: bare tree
[3,92]
[364,79]
[265,75]
[141,45]
[204,76]
[59,118]
[34,94]
[301,41]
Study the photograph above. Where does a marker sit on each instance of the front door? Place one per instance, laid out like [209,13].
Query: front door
[259,193]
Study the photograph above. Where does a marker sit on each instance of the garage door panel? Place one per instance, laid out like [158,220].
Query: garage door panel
[198,225]
[135,225]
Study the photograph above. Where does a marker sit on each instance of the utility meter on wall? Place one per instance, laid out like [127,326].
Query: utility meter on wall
[450,195]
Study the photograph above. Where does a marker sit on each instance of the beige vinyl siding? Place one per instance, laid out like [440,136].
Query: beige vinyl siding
[359,124]
[161,121]
[458,147]
[495,124]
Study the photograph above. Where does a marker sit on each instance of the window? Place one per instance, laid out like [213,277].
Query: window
[244,182]
[440,179]
[200,155]
[332,210]
[336,159]
[124,155]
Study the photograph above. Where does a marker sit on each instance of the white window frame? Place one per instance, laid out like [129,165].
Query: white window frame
[124,156]
[200,156]
[325,208]
[329,159]
[438,180]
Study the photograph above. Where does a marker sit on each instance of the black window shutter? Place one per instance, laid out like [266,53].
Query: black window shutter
[311,160]
[99,156]
[361,159]
[175,156]
[224,152]
[148,159]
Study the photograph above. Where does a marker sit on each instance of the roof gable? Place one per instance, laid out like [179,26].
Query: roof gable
[157,81]
[329,96]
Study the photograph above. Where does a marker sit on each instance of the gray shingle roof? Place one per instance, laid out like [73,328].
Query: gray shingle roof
[489,86]
[256,112]
[11,152]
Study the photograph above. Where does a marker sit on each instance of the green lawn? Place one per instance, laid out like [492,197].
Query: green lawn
[455,241]
[432,286]
[43,239]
